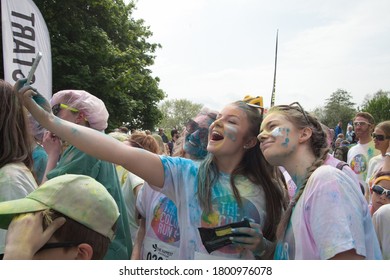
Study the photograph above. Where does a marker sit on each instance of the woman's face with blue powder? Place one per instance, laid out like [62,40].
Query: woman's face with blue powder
[278,139]
[196,138]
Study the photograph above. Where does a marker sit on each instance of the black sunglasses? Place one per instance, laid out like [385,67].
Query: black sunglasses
[58,245]
[379,137]
[193,126]
[379,190]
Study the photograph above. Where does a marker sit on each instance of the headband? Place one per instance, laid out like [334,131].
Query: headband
[377,180]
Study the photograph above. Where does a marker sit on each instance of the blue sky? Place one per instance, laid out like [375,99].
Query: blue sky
[217,51]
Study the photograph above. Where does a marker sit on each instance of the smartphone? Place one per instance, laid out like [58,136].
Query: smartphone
[34,67]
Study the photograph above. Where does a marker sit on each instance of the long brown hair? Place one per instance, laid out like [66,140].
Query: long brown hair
[254,166]
[15,137]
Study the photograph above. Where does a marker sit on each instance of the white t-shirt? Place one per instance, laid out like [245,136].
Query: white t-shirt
[16,181]
[374,165]
[162,233]
[330,217]
[181,186]
[358,158]
[131,182]
[381,220]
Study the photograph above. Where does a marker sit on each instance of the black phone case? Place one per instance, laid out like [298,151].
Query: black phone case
[218,237]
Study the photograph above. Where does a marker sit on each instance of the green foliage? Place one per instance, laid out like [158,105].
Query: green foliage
[98,47]
[378,106]
[177,112]
[319,113]
[338,107]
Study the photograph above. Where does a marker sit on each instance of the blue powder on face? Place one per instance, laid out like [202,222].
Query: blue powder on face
[285,143]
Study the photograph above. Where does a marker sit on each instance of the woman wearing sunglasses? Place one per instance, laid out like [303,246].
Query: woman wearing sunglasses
[328,217]
[380,191]
[381,136]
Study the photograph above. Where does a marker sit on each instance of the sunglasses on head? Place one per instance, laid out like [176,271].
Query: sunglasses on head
[258,107]
[57,108]
[379,137]
[360,123]
[296,106]
[380,190]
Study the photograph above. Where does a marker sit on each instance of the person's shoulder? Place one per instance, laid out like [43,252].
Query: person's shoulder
[175,160]
[17,173]
[376,158]
[353,147]
[324,169]
[327,176]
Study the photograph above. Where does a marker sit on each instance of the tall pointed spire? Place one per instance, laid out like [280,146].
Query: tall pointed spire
[276,59]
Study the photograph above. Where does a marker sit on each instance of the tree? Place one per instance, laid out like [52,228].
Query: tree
[177,112]
[319,113]
[339,107]
[98,47]
[378,105]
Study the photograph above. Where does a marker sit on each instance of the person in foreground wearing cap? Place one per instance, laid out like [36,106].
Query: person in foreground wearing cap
[68,217]
[85,109]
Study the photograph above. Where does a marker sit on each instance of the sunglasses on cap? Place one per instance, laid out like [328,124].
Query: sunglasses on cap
[379,137]
[360,123]
[380,190]
[57,108]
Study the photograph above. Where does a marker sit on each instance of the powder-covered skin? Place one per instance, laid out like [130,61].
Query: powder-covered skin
[196,139]
[277,131]
[281,132]
[229,132]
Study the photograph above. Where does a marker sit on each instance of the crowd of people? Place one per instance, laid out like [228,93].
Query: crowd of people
[234,184]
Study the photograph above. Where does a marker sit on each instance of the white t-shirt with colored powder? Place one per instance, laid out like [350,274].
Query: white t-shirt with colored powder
[181,186]
[330,217]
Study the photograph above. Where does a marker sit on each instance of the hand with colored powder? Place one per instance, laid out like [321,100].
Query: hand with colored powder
[25,235]
[21,87]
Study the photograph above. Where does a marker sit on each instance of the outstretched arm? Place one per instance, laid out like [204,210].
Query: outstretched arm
[144,164]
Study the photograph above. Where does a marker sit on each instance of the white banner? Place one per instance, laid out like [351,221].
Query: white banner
[25,34]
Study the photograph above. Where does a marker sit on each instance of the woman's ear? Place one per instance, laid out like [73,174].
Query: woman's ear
[84,252]
[251,143]
[305,134]
[81,118]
